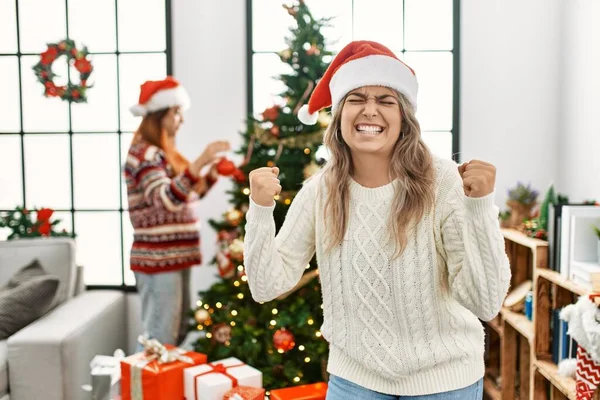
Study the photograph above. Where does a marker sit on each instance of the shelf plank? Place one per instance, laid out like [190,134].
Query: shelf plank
[561,281]
[491,390]
[496,325]
[519,237]
[550,371]
[519,322]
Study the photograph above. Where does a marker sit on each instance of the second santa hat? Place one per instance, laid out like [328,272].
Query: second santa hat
[158,95]
[360,63]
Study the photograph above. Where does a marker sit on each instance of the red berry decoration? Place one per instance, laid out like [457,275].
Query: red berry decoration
[284,340]
[225,167]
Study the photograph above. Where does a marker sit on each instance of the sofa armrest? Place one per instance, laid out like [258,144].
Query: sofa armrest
[50,358]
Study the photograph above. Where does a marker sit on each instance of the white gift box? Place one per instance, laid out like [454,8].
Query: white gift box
[205,382]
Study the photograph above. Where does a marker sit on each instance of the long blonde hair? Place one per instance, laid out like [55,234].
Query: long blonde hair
[151,130]
[411,163]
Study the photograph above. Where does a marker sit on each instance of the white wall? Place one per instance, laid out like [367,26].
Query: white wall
[509,89]
[579,142]
[209,57]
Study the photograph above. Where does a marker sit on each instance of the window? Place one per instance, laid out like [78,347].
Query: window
[69,156]
[423,33]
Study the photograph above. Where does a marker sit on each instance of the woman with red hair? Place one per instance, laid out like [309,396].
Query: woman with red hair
[162,189]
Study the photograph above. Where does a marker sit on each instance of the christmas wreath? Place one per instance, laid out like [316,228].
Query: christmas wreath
[75,57]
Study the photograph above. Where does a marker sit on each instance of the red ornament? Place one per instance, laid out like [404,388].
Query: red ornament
[271,113]
[284,340]
[275,131]
[239,176]
[225,167]
[221,333]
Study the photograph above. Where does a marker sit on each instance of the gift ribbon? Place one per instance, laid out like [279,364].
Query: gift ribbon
[154,350]
[219,369]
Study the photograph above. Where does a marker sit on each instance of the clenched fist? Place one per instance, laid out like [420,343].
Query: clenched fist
[479,178]
[264,185]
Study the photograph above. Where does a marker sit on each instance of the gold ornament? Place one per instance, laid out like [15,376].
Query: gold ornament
[201,315]
[310,169]
[285,54]
[236,249]
[324,119]
[234,216]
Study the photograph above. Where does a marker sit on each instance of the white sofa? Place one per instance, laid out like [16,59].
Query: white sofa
[49,359]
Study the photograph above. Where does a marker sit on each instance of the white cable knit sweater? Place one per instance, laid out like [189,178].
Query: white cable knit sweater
[405,326]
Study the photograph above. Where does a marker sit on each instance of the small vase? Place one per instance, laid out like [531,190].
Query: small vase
[519,212]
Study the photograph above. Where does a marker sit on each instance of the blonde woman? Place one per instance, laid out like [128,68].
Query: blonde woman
[409,248]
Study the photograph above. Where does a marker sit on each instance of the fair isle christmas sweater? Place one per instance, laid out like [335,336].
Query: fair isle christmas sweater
[403,326]
[161,210]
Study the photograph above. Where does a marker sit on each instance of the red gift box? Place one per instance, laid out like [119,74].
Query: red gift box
[245,393]
[315,391]
[156,376]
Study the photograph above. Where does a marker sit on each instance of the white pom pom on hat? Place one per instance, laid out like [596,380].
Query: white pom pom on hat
[360,63]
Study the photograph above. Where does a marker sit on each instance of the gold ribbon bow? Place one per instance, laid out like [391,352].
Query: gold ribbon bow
[154,350]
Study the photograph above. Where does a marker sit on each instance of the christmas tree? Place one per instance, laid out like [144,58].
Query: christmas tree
[281,338]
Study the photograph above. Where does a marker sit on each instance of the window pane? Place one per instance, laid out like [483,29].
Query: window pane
[100,112]
[340,33]
[134,70]
[440,143]
[8,27]
[383,27]
[429,24]
[9,101]
[271,23]
[47,171]
[434,73]
[11,173]
[96,171]
[267,86]
[125,143]
[142,35]
[43,114]
[93,24]
[40,23]
[65,223]
[127,242]
[99,247]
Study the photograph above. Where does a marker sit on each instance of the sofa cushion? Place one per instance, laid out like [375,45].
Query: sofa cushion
[26,302]
[29,271]
[3,368]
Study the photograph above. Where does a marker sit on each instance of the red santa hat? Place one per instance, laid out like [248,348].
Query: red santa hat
[158,95]
[360,63]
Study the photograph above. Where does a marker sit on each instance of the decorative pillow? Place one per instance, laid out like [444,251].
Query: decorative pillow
[27,297]
[27,272]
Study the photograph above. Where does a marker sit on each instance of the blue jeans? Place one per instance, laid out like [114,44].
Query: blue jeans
[165,298]
[342,389]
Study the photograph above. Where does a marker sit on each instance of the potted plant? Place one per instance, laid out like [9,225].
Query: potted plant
[521,200]
[24,223]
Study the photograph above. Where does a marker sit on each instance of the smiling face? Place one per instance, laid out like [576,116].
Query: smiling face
[371,120]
